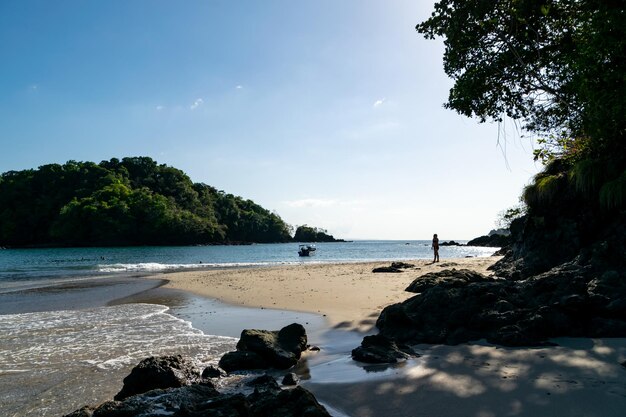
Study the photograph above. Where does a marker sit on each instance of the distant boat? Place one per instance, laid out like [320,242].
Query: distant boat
[306,250]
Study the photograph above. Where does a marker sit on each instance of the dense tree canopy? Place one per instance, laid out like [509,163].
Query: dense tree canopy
[125,202]
[558,67]
[306,233]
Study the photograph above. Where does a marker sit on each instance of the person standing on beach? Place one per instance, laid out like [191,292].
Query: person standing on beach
[435,248]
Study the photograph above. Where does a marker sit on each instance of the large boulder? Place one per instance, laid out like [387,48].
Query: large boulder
[263,349]
[493,241]
[381,349]
[158,372]
[448,277]
[459,306]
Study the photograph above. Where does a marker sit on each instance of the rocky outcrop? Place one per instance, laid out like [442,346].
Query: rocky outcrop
[450,243]
[449,278]
[457,306]
[158,372]
[199,400]
[495,241]
[264,349]
[169,385]
[381,349]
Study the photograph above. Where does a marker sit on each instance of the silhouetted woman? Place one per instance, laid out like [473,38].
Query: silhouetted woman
[435,247]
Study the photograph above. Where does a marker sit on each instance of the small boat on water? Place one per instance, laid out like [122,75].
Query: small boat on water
[306,250]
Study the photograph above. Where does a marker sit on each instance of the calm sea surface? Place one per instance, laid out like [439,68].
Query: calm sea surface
[56,355]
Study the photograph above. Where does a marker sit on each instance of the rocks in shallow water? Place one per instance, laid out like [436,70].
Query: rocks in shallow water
[381,349]
[263,349]
[213,372]
[450,243]
[201,401]
[188,395]
[158,372]
[291,379]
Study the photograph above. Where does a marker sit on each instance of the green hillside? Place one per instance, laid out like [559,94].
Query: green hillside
[132,201]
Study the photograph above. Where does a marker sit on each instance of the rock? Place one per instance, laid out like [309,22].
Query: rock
[449,278]
[243,360]
[386,269]
[291,379]
[296,402]
[263,349]
[86,411]
[158,372]
[264,383]
[495,241]
[460,306]
[213,372]
[402,265]
[381,349]
[201,400]
[394,267]
[450,243]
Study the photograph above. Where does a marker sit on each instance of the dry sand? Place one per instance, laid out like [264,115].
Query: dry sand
[350,295]
[580,377]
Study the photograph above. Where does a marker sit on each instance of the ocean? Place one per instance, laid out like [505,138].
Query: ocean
[74,321]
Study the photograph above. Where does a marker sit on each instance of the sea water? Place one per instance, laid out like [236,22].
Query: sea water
[52,363]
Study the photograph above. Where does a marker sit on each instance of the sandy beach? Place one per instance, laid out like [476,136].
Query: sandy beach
[579,377]
[349,295]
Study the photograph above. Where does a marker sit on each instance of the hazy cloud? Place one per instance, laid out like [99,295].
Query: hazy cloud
[311,202]
[196,104]
[159,108]
[379,102]
[239,87]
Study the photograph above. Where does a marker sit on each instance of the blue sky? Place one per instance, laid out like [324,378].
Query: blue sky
[329,112]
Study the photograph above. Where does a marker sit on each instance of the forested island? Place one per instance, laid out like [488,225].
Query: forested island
[132,201]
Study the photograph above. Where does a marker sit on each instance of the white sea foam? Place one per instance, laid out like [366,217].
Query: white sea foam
[54,362]
[155,267]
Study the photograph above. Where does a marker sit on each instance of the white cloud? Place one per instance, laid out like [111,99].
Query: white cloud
[196,104]
[311,202]
[379,102]
[239,87]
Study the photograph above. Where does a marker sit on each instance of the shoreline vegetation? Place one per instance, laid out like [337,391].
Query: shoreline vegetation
[131,202]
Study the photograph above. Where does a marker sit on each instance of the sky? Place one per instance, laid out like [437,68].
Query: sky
[328,112]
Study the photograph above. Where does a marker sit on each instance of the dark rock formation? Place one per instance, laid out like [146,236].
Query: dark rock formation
[450,243]
[448,278]
[459,306]
[158,372]
[496,241]
[386,269]
[213,372]
[291,379]
[394,267]
[263,349]
[201,400]
[381,349]
[402,265]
